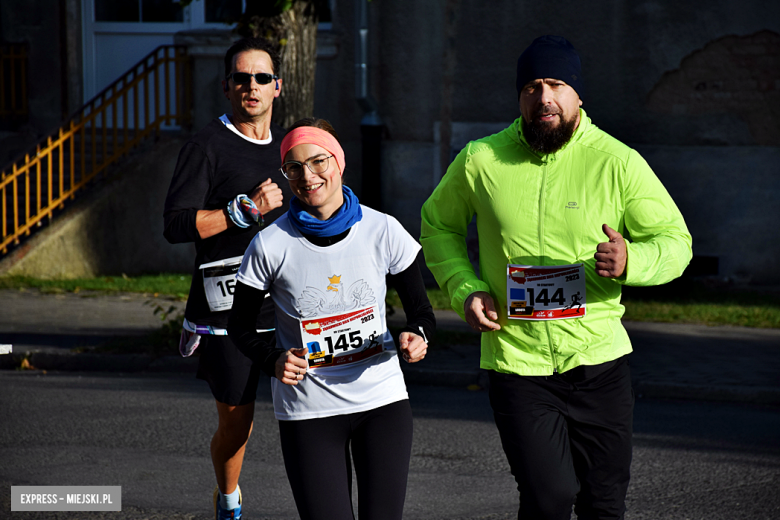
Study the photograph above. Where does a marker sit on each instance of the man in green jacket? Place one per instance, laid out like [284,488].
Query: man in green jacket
[566,215]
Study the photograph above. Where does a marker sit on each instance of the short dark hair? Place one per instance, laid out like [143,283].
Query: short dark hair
[252,44]
[316,122]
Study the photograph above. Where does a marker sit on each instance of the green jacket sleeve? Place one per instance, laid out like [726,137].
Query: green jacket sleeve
[660,244]
[445,218]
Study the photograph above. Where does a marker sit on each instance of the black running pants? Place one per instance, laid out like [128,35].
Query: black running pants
[319,467]
[567,438]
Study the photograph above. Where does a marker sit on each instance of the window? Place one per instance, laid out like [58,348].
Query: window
[111,11]
[138,11]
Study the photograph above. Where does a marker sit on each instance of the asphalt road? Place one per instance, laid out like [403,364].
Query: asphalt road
[150,434]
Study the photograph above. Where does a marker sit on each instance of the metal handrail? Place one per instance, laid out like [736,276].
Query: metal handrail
[104,130]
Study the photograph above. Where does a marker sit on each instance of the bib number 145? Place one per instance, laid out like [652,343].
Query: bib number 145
[344,342]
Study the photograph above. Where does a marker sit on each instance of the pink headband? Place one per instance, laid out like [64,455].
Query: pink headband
[313,135]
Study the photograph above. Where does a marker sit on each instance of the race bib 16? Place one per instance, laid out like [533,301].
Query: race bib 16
[219,282]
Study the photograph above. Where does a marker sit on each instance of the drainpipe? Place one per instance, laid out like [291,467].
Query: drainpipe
[371,126]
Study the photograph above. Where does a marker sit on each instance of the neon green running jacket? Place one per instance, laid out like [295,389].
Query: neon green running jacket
[548,210]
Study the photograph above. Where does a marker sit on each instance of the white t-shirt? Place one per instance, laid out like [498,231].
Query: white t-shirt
[229,124]
[332,300]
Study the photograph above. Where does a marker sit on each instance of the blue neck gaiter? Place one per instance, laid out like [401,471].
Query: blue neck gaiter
[344,218]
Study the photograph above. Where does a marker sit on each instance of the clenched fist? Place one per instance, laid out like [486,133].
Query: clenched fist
[267,196]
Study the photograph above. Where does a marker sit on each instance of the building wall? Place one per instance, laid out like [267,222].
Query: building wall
[631,52]
[117,228]
[728,196]
[697,90]
[38,25]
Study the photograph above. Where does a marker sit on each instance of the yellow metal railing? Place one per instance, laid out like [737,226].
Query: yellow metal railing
[148,96]
[13,80]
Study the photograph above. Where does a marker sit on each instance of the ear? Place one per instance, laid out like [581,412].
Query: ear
[278,89]
[225,88]
[580,102]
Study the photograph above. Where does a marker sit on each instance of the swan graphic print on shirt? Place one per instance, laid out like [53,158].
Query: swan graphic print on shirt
[335,298]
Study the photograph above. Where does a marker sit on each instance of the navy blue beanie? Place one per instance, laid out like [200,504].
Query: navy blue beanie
[550,57]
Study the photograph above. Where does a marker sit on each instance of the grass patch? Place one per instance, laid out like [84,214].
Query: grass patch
[444,338]
[706,314]
[438,298]
[681,301]
[689,301]
[177,285]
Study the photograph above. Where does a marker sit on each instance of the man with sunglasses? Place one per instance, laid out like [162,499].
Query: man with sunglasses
[554,197]
[226,186]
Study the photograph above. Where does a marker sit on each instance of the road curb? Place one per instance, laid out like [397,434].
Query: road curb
[419,375]
[439,377]
[91,362]
[724,393]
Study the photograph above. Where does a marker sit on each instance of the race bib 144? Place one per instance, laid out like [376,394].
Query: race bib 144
[545,292]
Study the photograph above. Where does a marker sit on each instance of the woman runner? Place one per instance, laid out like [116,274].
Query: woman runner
[338,390]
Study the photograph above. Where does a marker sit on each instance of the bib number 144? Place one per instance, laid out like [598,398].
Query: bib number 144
[545,292]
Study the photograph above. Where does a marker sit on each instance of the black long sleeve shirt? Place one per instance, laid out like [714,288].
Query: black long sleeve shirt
[213,167]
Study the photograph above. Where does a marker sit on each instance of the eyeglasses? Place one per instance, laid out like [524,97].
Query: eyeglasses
[293,170]
[242,78]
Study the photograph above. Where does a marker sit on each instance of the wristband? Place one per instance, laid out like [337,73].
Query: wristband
[243,212]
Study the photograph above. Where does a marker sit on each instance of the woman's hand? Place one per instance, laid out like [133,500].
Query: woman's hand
[291,366]
[413,347]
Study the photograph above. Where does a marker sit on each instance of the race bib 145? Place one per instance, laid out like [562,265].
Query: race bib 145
[343,338]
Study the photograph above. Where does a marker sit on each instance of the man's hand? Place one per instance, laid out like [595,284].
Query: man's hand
[267,196]
[611,256]
[480,309]
[291,366]
[413,347]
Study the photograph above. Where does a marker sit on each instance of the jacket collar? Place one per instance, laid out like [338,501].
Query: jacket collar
[517,135]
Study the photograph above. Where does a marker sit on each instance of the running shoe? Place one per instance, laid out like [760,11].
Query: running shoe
[227,514]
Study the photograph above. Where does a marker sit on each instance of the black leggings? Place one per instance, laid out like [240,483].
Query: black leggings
[317,459]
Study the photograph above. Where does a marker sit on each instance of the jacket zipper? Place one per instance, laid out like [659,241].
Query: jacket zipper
[542,196]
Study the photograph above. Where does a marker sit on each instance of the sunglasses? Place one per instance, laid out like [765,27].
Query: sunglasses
[242,78]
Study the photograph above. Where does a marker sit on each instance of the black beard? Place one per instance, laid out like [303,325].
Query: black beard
[543,139]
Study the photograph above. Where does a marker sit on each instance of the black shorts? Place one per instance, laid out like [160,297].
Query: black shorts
[231,375]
